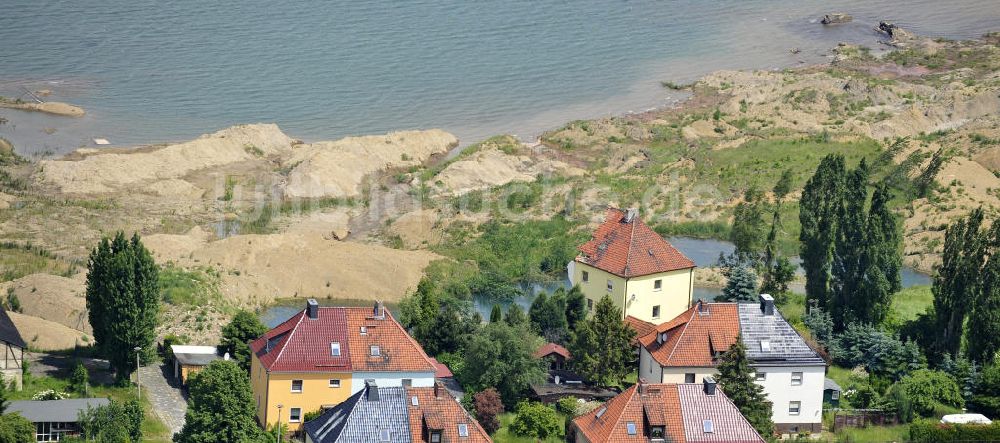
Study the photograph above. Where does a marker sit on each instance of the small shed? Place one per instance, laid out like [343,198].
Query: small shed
[55,420]
[191,359]
[13,351]
[831,393]
[556,355]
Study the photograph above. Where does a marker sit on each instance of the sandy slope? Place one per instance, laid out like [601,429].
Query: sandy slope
[46,335]
[490,168]
[53,298]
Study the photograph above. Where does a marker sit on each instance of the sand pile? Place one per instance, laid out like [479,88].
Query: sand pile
[53,298]
[419,228]
[256,269]
[490,167]
[45,335]
[337,168]
[105,172]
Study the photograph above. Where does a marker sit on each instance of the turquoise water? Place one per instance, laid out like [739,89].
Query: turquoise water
[150,71]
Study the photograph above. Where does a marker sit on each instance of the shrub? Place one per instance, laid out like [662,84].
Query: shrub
[536,420]
[926,389]
[79,379]
[878,351]
[488,408]
[567,405]
[932,431]
[986,399]
[49,394]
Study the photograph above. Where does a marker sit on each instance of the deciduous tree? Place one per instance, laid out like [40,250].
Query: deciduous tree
[220,407]
[488,406]
[238,333]
[500,356]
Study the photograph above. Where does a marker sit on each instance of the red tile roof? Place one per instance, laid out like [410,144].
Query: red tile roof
[441,369]
[398,352]
[680,407]
[301,344]
[441,411]
[629,248]
[694,336]
[550,348]
[641,327]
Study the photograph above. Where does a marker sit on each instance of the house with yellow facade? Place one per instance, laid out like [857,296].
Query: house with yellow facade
[324,355]
[643,274]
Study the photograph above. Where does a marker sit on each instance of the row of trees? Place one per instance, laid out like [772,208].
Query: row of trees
[850,248]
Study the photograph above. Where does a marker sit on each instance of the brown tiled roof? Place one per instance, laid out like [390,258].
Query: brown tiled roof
[398,352]
[440,369]
[693,336]
[641,327]
[630,248]
[443,412]
[680,407]
[301,344]
[550,348]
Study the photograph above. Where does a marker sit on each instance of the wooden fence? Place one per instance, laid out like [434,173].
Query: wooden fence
[859,418]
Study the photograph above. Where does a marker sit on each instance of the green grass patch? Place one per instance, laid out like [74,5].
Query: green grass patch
[894,433]
[503,435]
[193,287]
[717,229]
[912,301]
[20,259]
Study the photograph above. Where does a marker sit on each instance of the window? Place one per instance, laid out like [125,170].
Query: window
[656,311]
[796,379]
[334,382]
[794,407]
[611,286]
[375,351]
[657,284]
[707,426]
[630,427]
[463,430]
[760,376]
[384,435]
[295,415]
[335,349]
[765,345]
[407,382]
[835,395]
[585,276]
[364,330]
[590,305]
[688,378]
[656,433]
[296,385]
[435,436]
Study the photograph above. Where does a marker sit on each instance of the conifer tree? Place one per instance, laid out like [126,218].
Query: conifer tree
[881,261]
[602,345]
[576,307]
[818,213]
[956,283]
[515,315]
[123,300]
[496,314]
[741,285]
[736,378]
[984,321]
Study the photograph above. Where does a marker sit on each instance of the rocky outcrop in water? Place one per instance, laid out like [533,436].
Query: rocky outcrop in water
[836,18]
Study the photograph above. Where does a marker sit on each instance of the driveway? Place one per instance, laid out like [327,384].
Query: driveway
[165,394]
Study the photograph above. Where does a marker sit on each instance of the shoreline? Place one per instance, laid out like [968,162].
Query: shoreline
[51,108]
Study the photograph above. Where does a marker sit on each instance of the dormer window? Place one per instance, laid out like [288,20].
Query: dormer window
[364,330]
[765,346]
[435,436]
[375,351]
[661,338]
[657,433]
[335,349]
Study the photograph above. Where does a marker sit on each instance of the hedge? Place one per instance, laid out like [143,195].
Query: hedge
[934,431]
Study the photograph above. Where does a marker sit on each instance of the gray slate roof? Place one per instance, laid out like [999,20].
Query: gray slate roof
[787,346]
[8,332]
[829,384]
[54,410]
[359,420]
[196,359]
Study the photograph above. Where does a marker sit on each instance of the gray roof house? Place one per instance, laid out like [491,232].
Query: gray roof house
[55,419]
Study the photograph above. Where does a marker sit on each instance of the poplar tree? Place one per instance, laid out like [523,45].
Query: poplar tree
[748,223]
[984,321]
[123,300]
[956,283]
[818,213]
[881,260]
[849,247]
[736,378]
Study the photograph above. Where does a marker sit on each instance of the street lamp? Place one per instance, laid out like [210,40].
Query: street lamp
[138,386]
[277,437]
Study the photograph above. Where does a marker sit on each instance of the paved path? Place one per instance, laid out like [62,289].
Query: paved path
[166,395]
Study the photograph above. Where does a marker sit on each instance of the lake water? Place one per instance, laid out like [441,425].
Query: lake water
[151,71]
[704,252]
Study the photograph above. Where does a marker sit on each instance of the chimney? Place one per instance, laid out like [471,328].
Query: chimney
[312,308]
[379,310]
[371,390]
[709,383]
[437,390]
[642,386]
[702,308]
[630,214]
[767,304]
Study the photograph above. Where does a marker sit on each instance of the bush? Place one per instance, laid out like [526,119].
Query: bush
[169,341]
[488,408]
[536,420]
[880,352]
[567,405]
[933,431]
[986,399]
[16,429]
[926,389]
[79,379]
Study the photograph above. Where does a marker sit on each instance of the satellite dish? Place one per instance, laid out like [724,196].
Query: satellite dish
[226,357]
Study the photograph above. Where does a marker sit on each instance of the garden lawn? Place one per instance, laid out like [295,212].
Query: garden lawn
[502,435]
[912,301]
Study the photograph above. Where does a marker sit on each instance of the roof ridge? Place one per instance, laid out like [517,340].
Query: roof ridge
[413,341]
[686,324]
[631,243]
[291,334]
[618,419]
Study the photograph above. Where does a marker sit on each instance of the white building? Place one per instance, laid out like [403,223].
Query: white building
[686,349]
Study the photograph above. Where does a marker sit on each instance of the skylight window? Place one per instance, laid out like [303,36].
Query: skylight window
[375,351]
[630,427]
[335,349]
[765,345]
[414,401]
[708,426]
[463,430]
[364,330]
[384,435]
[601,412]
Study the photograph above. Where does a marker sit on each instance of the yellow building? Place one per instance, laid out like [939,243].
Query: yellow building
[645,276]
[323,355]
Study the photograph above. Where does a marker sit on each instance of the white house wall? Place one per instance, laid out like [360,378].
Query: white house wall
[780,391]
[389,379]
